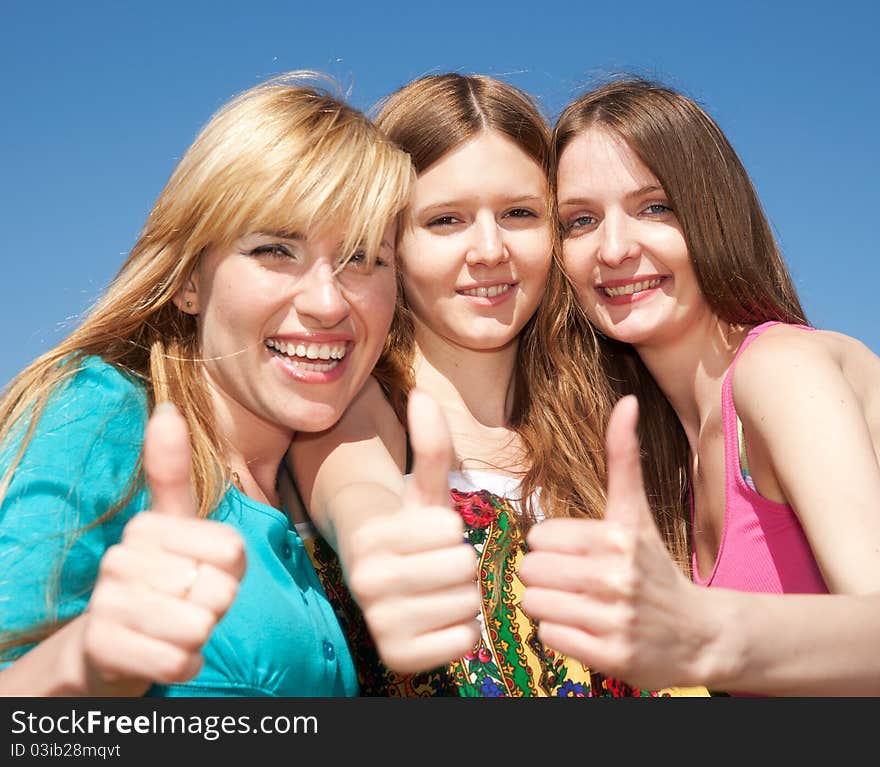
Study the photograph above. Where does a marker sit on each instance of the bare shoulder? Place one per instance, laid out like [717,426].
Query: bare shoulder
[791,376]
[780,354]
[787,360]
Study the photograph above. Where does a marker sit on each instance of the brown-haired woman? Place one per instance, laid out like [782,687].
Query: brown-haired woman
[256,300]
[475,256]
[759,431]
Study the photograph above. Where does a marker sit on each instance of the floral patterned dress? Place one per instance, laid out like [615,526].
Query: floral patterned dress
[510,660]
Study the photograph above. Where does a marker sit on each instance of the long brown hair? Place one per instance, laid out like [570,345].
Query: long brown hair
[286,155]
[428,118]
[736,260]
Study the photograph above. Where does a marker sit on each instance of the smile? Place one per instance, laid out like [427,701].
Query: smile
[628,290]
[487,292]
[316,357]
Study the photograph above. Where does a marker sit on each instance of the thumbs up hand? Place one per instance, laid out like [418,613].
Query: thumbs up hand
[606,591]
[161,591]
[410,571]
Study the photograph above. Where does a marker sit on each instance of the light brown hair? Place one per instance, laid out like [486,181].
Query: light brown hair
[428,118]
[736,260]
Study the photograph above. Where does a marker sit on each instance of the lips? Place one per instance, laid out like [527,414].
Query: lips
[488,295]
[626,291]
[308,360]
[487,291]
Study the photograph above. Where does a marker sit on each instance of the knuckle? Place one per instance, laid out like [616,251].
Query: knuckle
[620,540]
[231,555]
[113,563]
[226,591]
[365,539]
[369,582]
[400,657]
[203,623]
[174,665]
[103,600]
[381,624]
[138,526]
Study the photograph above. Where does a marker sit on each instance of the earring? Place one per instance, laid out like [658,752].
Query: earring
[189,304]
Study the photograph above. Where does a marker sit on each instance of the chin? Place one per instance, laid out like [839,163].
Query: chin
[315,417]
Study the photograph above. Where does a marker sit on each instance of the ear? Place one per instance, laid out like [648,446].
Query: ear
[187,298]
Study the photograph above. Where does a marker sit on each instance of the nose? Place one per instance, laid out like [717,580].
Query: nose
[487,245]
[319,296]
[618,241]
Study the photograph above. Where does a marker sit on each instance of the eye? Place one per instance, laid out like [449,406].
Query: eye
[658,209]
[442,221]
[360,262]
[580,222]
[272,250]
[521,213]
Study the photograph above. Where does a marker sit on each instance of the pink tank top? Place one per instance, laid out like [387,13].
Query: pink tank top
[763,547]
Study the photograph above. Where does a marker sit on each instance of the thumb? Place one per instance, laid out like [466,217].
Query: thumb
[432,452]
[626,491]
[167,462]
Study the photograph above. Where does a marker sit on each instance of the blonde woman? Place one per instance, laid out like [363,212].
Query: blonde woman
[256,300]
[475,257]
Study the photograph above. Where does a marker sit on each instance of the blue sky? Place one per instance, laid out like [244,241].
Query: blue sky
[100,99]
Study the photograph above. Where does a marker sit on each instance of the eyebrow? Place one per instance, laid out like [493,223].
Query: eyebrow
[649,189]
[507,200]
[282,235]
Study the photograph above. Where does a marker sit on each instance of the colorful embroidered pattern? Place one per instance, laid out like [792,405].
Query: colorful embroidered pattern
[510,660]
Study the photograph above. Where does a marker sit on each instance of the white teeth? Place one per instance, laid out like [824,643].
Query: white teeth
[626,290]
[490,292]
[308,351]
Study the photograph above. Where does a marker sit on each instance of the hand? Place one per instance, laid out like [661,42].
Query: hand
[410,571]
[606,591]
[161,591]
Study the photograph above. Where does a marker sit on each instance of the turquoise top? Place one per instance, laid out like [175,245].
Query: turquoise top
[279,638]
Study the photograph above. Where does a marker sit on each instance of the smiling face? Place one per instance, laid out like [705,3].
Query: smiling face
[477,248]
[623,245]
[287,335]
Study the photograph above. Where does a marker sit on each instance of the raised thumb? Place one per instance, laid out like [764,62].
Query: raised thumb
[431,445]
[627,502]
[168,462]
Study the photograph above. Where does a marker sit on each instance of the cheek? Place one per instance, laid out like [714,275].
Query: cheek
[425,257]
[579,265]
[535,253]
[375,303]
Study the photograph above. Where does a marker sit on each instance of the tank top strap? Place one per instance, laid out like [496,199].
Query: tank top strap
[727,386]
[734,442]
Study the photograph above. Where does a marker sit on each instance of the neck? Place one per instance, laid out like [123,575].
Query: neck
[254,447]
[477,381]
[690,370]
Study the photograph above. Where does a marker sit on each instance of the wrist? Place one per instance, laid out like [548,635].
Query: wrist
[70,674]
[720,658]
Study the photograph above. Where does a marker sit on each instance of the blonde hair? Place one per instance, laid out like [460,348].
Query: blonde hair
[286,155]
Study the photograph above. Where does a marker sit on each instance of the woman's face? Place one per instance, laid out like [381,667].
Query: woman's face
[477,248]
[286,335]
[623,245]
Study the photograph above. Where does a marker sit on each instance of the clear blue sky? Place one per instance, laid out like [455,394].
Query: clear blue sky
[99,99]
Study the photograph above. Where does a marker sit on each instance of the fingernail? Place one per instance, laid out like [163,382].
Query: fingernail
[165,406]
